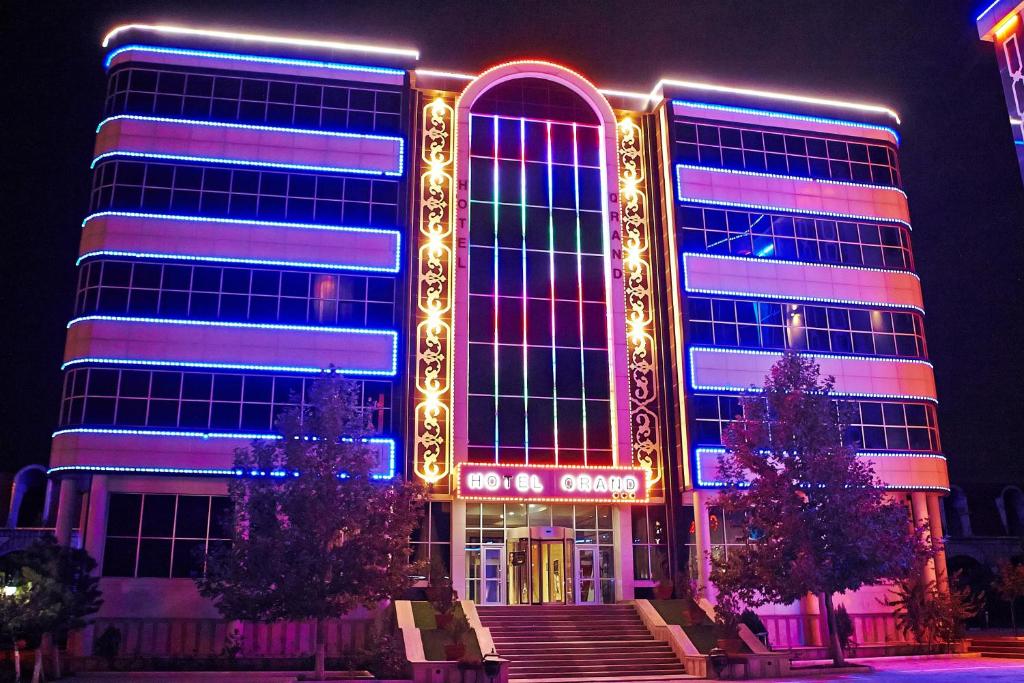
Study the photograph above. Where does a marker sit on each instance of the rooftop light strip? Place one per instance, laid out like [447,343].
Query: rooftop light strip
[239,261]
[788,209]
[772,95]
[247,162]
[786,262]
[246,126]
[784,115]
[987,10]
[246,37]
[259,59]
[779,176]
[138,362]
[721,450]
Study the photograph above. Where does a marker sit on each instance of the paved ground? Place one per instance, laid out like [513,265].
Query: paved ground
[955,670]
[958,670]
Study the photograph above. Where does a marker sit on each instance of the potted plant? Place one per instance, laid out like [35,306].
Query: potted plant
[727,622]
[688,591]
[663,587]
[456,630]
[440,594]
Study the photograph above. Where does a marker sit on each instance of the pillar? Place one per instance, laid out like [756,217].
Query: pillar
[702,529]
[815,621]
[935,520]
[68,510]
[95,531]
[458,558]
[622,537]
[919,509]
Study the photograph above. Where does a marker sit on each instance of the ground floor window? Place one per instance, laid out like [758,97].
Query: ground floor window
[650,542]
[163,535]
[725,531]
[431,540]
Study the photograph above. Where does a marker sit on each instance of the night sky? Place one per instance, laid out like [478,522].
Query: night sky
[921,58]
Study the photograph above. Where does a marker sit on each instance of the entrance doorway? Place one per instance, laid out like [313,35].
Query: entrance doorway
[587,576]
[541,564]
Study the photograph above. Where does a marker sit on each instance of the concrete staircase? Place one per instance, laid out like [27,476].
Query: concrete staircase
[1002,647]
[575,643]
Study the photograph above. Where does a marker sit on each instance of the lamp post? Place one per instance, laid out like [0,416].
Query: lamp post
[492,665]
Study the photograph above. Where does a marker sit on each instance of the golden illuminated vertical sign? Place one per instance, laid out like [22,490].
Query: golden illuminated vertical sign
[435,291]
[645,427]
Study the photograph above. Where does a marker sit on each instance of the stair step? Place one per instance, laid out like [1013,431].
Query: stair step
[679,678]
[595,670]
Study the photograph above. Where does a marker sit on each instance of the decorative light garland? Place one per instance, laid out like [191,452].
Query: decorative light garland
[645,424]
[789,209]
[432,423]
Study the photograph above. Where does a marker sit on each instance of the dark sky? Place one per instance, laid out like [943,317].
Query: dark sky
[921,58]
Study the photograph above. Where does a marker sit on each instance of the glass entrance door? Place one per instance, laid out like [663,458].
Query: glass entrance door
[587,582]
[492,574]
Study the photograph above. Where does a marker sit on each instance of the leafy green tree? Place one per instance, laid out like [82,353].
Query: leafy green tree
[322,536]
[818,519]
[1009,584]
[52,591]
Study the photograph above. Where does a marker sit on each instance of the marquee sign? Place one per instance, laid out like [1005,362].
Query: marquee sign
[552,483]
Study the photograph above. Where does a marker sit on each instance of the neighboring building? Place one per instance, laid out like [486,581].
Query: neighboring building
[552,295]
[1002,24]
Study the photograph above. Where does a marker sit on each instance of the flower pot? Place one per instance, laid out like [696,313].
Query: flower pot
[454,651]
[731,645]
[663,591]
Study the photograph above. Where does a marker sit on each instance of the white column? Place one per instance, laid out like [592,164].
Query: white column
[702,531]
[458,558]
[93,536]
[935,518]
[68,511]
[919,509]
[95,531]
[622,537]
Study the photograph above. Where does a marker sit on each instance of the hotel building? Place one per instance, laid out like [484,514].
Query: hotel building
[551,294]
[1002,24]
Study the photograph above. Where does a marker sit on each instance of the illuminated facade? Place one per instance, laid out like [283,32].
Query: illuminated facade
[552,295]
[1002,24]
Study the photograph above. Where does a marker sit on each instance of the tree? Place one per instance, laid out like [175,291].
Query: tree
[818,519]
[317,536]
[52,590]
[1009,584]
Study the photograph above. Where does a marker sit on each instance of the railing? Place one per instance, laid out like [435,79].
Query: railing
[14,539]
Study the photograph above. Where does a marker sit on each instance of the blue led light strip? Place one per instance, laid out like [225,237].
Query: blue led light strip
[778,354]
[261,326]
[229,259]
[787,209]
[224,366]
[245,162]
[236,57]
[784,297]
[247,126]
[780,176]
[232,472]
[700,450]
[787,262]
[783,115]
